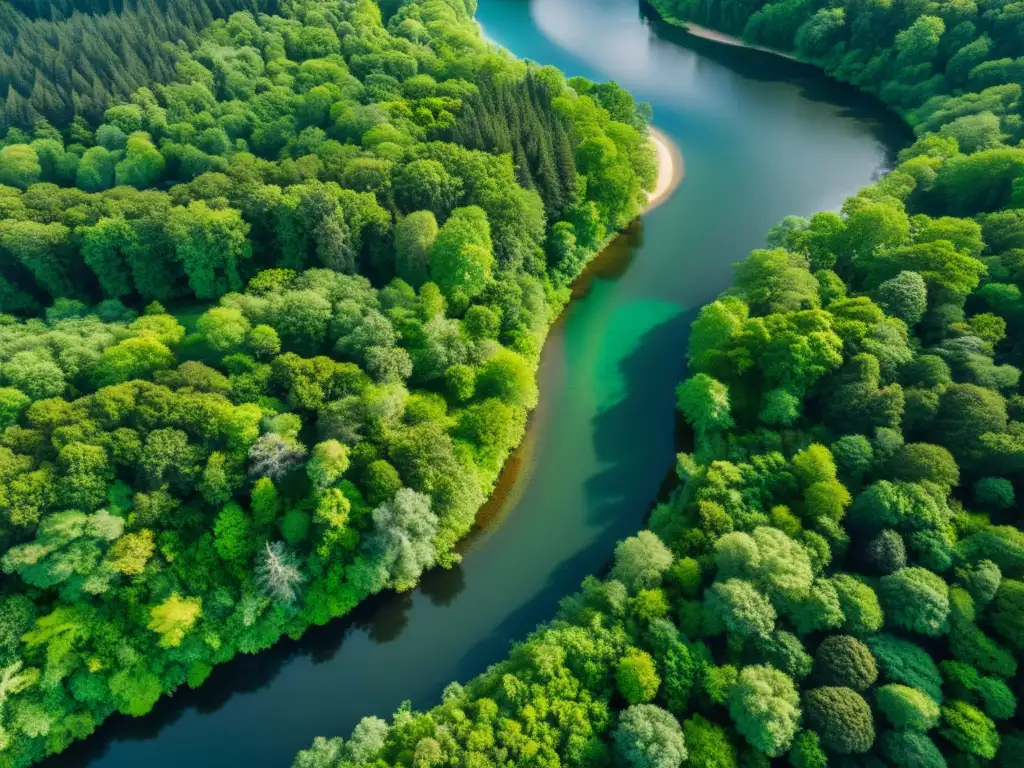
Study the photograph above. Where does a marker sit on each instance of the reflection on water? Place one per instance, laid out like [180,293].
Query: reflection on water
[613,261]
[762,138]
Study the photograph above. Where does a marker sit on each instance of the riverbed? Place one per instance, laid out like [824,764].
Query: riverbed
[762,137]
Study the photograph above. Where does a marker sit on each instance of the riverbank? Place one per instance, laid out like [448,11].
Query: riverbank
[707,33]
[725,39]
[670,169]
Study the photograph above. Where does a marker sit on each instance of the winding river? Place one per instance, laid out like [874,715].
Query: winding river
[762,137]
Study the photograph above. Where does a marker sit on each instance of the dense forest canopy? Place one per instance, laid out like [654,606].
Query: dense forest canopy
[270,314]
[77,57]
[838,577]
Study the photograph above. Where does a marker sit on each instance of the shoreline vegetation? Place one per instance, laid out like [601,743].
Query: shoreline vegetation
[838,577]
[725,39]
[717,36]
[508,485]
[382,218]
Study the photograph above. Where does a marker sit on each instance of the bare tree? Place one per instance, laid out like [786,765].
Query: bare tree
[273,455]
[278,575]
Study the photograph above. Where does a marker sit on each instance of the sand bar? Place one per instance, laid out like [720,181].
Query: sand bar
[670,168]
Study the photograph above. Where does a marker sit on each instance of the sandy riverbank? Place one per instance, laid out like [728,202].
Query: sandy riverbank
[721,37]
[670,168]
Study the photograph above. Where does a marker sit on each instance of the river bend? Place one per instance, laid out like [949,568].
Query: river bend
[762,137]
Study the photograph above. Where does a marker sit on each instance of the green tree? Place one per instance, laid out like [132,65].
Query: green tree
[915,599]
[640,561]
[844,661]
[174,618]
[647,736]
[637,677]
[19,166]
[765,708]
[842,718]
[461,256]
[142,164]
[415,235]
[231,533]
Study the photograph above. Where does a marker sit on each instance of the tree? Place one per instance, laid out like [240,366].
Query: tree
[636,677]
[915,462]
[224,328]
[19,166]
[649,737]
[765,708]
[901,661]
[507,377]
[142,164]
[974,133]
[784,651]
[382,481]
[210,244]
[130,553]
[911,748]
[704,403]
[35,373]
[981,580]
[263,342]
[842,718]
[904,296]
[807,751]
[173,618]
[272,455]
[969,730]
[737,606]
[135,690]
[96,169]
[426,185]
[461,257]
[278,574]
[886,552]
[1008,613]
[640,561]
[401,545]
[414,238]
[915,599]
[906,707]
[844,661]
[231,533]
[708,744]
[133,358]
[994,493]
[862,613]
[775,281]
[12,404]
[945,270]
[327,463]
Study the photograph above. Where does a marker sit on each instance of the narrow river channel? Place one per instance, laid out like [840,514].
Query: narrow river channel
[762,137]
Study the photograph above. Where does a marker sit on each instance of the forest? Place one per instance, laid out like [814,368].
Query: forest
[837,577]
[272,305]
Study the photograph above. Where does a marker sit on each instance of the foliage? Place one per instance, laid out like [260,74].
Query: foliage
[245,381]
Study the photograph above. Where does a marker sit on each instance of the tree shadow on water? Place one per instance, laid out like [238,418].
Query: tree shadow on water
[644,420]
[635,442]
[811,81]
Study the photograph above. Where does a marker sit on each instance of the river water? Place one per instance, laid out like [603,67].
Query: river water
[762,137]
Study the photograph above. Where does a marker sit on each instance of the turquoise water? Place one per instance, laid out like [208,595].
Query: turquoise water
[762,137]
